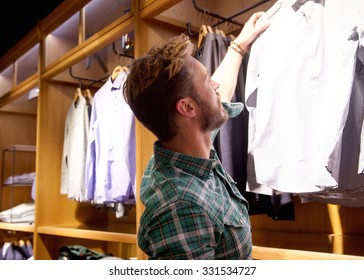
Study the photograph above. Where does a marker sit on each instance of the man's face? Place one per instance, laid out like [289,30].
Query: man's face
[212,113]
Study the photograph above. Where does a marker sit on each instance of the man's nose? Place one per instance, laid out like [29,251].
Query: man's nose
[215,85]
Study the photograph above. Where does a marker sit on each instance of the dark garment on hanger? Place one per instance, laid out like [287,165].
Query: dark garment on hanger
[15,252]
[347,151]
[231,142]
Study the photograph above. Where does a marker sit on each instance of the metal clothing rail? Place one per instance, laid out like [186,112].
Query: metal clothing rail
[126,43]
[82,79]
[219,17]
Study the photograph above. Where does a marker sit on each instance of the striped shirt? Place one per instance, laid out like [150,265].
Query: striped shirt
[193,209]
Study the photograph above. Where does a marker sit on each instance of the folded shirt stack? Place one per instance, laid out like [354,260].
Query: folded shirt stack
[22,213]
[25,178]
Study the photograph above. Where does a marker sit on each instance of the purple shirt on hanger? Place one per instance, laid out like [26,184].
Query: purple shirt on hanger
[110,159]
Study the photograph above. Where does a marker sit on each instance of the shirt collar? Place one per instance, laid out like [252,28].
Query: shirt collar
[233,108]
[118,82]
[200,167]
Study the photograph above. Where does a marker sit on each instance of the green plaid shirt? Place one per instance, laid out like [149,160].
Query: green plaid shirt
[193,209]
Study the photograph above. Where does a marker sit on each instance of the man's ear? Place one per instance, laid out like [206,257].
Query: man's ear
[186,107]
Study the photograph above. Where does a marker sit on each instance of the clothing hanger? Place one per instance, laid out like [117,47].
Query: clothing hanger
[202,34]
[120,68]
[87,94]
[15,237]
[11,236]
[232,36]
[117,70]
[78,94]
[221,32]
[221,19]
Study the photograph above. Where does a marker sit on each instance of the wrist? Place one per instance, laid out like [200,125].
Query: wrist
[242,46]
[237,48]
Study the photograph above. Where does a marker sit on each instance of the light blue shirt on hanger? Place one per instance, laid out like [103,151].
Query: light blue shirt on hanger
[110,160]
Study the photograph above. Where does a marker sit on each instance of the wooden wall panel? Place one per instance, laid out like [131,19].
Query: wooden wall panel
[54,105]
[16,129]
[317,226]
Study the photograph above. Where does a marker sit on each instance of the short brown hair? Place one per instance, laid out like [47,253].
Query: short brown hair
[156,82]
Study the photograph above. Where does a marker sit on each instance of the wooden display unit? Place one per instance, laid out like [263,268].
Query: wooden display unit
[76,37]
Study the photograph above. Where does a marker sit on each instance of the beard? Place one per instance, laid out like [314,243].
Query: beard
[212,118]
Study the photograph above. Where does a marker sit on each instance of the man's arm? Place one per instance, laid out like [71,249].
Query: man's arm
[227,72]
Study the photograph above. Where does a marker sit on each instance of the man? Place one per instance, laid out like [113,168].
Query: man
[193,209]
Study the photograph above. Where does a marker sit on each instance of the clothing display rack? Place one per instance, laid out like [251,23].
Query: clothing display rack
[67,57]
[220,18]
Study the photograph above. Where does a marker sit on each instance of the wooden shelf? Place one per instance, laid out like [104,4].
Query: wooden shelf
[17,227]
[17,185]
[340,244]
[87,232]
[268,253]
[21,148]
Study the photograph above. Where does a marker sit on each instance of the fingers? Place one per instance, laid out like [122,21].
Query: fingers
[256,16]
[261,25]
[251,30]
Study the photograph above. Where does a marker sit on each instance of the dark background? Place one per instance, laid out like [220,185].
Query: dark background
[19,17]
